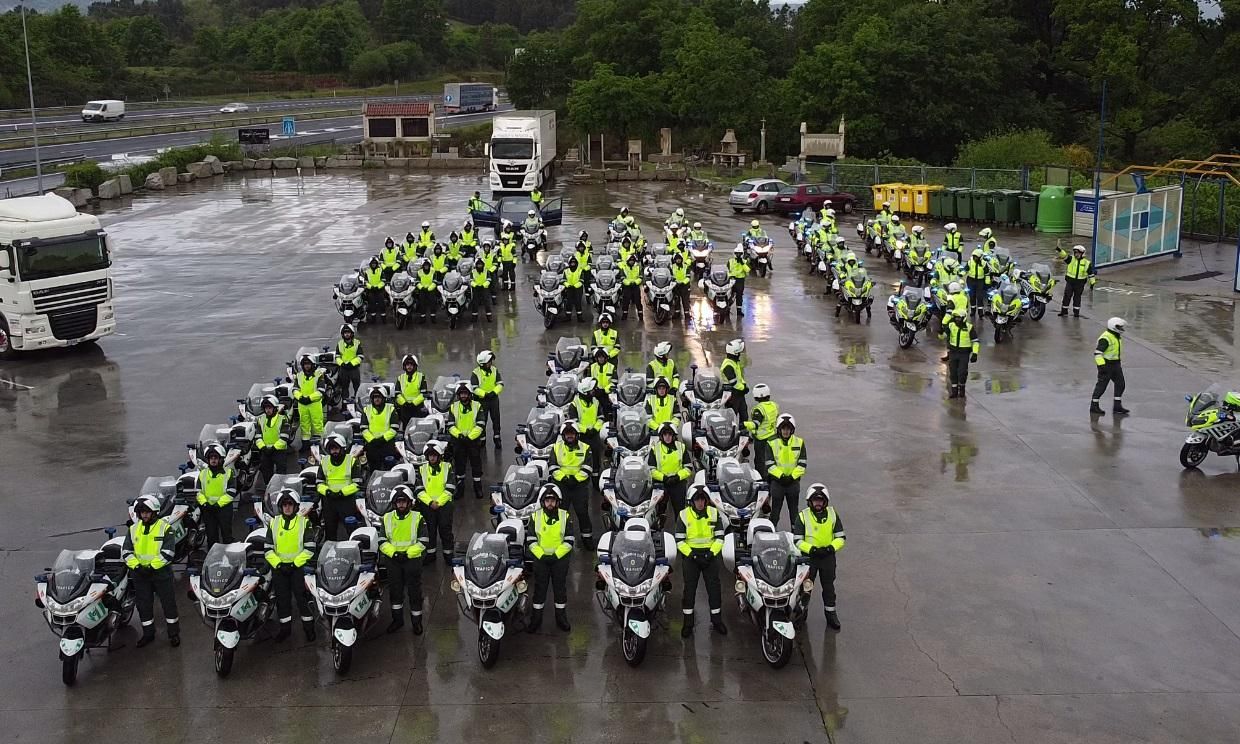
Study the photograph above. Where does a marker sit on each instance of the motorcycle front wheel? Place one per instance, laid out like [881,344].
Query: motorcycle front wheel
[906,339]
[776,648]
[1192,455]
[342,657]
[548,321]
[223,660]
[401,321]
[69,670]
[1037,311]
[998,334]
[488,649]
[660,316]
[633,647]
[452,321]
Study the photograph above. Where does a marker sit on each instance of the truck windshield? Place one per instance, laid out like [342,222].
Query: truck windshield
[71,256]
[94,106]
[512,149]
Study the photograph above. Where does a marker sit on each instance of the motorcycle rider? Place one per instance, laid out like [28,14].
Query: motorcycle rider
[989,242]
[348,362]
[898,306]
[671,467]
[589,423]
[573,288]
[697,234]
[466,432]
[683,278]
[532,223]
[738,269]
[884,215]
[952,241]
[754,232]
[819,533]
[426,239]
[549,542]
[761,425]
[488,383]
[409,249]
[786,466]
[379,430]
[148,550]
[411,390]
[962,348]
[699,538]
[439,262]
[1107,357]
[662,407]
[570,469]
[857,283]
[733,373]
[977,277]
[308,386]
[273,438]
[663,366]
[606,337]
[217,489]
[337,479]
[436,492]
[402,541]
[603,372]
[290,546]
[428,291]
[918,247]
[508,258]
[389,258]
[480,293]
[1078,271]
[622,215]
[630,283]
[829,225]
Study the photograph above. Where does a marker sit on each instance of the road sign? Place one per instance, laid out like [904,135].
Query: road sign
[447,98]
[290,127]
[441,135]
[253,136]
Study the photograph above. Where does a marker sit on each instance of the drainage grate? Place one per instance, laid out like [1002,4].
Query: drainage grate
[1198,275]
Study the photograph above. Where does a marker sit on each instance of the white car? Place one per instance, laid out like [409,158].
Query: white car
[756,193]
[234,108]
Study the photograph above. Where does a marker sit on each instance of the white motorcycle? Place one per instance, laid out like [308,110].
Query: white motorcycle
[516,496]
[558,395]
[718,290]
[699,256]
[716,436]
[454,296]
[633,568]
[419,432]
[232,595]
[346,592]
[630,437]
[758,252]
[536,437]
[570,355]
[178,506]
[347,294]
[490,586]
[704,391]
[533,239]
[738,492]
[400,298]
[772,586]
[376,499]
[605,292]
[549,296]
[629,490]
[659,288]
[302,484]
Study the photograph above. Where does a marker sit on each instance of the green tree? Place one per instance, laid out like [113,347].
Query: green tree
[369,68]
[626,105]
[1011,149]
[413,20]
[536,76]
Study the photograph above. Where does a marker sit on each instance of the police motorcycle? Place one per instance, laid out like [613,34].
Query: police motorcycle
[616,232]
[908,323]
[419,432]
[856,294]
[570,355]
[871,237]
[1214,428]
[605,292]
[630,435]
[232,593]
[490,586]
[536,437]
[1006,306]
[347,294]
[346,591]
[86,597]
[772,585]
[894,245]
[699,257]
[1037,283]
[718,290]
[631,390]
[400,298]
[1001,265]
[659,288]
[736,490]
[376,499]
[516,496]
[348,431]
[714,436]
[629,490]
[443,394]
[632,587]
[267,507]
[556,264]
[237,439]
[758,253]
[549,295]
[454,296]
[325,359]
[533,239]
[176,496]
[703,391]
[558,394]
[250,407]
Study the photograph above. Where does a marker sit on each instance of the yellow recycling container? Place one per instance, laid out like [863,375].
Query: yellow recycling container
[893,196]
[879,190]
[905,193]
[921,197]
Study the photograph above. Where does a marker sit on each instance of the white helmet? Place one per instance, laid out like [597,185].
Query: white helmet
[950,227]
[1116,325]
[148,503]
[333,438]
[918,229]
[830,212]
[700,491]
[662,349]
[895,218]
[735,346]
[818,491]
[950,263]
[376,390]
[839,240]
[754,223]
[850,257]
[886,204]
[485,357]
[586,386]
[953,288]
[761,391]
[738,249]
[530,213]
[697,225]
[218,449]
[582,234]
[550,491]
[1078,248]
[985,232]
[426,225]
[786,419]
[410,358]
[680,212]
[273,400]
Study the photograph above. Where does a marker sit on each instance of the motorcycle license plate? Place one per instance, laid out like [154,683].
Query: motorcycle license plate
[359,606]
[507,601]
[242,609]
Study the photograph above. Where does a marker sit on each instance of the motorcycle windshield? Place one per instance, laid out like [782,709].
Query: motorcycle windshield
[631,391]
[340,563]
[605,279]
[486,559]
[443,393]
[556,264]
[254,398]
[1042,272]
[549,280]
[161,487]
[213,433]
[569,352]
[343,428]
[561,390]
[223,568]
[1008,292]
[708,386]
[379,489]
[604,262]
[913,298]
[277,484]
[719,276]
[1205,400]
[452,281]
[761,245]
[736,484]
[70,575]
[721,430]
[633,481]
[400,282]
[530,231]
[348,284]
[660,277]
[632,556]
[631,429]
[772,558]
[520,485]
[542,429]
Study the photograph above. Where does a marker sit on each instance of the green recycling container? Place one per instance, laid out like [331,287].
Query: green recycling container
[964,204]
[1007,206]
[936,204]
[949,204]
[1055,208]
[983,206]
[1028,208]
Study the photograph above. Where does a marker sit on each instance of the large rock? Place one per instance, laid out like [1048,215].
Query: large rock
[285,163]
[154,182]
[210,159]
[305,162]
[320,161]
[185,177]
[110,189]
[169,175]
[262,164]
[126,184]
[248,163]
[217,168]
[83,195]
[232,165]
[200,170]
[73,195]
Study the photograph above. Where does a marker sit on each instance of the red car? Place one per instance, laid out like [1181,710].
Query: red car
[796,198]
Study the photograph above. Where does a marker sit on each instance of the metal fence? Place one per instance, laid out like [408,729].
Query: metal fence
[861,176]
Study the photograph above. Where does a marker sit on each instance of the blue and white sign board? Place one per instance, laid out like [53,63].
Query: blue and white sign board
[1083,209]
[290,127]
[447,98]
[1136,226]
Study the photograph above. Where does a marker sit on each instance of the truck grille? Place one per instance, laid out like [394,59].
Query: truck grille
[511,182]
[505,168]
[70,297]
[72,324]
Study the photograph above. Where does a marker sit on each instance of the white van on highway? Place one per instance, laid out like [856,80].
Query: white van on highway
[103,111]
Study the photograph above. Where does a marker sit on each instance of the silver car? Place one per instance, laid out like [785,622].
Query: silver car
[756,193]
[234,108]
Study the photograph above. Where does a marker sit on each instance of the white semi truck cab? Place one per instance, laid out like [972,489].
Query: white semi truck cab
[55,275]
[522,151]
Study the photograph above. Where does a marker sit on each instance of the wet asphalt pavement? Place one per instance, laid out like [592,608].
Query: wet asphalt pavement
[1014,570]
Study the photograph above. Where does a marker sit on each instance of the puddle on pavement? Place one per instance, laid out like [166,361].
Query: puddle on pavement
[1231,533]
[961,453]
[999,384]
[855,354]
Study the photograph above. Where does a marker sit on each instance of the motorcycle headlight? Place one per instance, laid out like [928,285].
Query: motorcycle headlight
[641,590]
[775,592]
[223,602]
[486,593]
[70,608]
[343,598]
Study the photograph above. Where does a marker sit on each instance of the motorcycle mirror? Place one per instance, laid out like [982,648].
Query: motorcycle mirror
[277,380]
[192,571]
[374,378]
[604,560]
[307,571]
[240,400]
[350,521]
[301,461]
[111,532]
[251,522]
[1188,398]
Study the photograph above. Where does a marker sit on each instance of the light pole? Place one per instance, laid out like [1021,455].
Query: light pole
[34,120]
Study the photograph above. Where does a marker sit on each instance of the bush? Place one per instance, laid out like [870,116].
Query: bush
[369,68]
[85,176]
[1014,149]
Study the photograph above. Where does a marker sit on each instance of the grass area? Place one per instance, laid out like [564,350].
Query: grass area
[13,174]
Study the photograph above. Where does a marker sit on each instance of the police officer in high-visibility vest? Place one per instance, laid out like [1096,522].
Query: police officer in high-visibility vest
[217,490]
[148,551]
[436,490]
[466,432]
[733,372]
[989,241]
[348,362]
[819,532]
[536,197]
[738,269]
[379,424]
[375,284]
[786,465]
[290,546]
[402,541]
[508,258]
[488,384]
[962,348]
[699,538]
[761,425]
[977,278]
[662,407]
[589,420]
[1078,271]
[409,249]
[570,469]
[630,284]
[663,366]
[338,478]
[308,386]
[274,435]
[607,337]
[476,205]
[426,239]
[672,468]
[574,289]
[1108,358]
[548,544]
[411,390]
[953,242]
[480,287]
[428,291]
[389,258]
[603,372]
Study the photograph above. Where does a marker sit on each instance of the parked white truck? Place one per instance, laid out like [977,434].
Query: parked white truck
[55,275]
[522,150]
